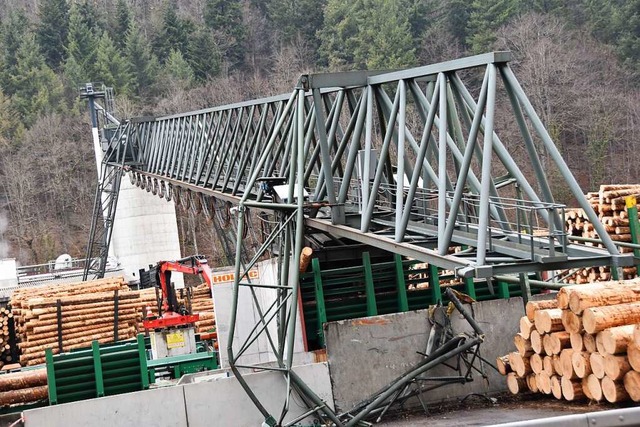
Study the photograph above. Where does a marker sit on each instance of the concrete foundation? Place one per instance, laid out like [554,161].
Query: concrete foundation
[219,402]
[367,354]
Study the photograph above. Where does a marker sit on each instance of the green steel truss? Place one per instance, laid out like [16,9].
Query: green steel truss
[406,161]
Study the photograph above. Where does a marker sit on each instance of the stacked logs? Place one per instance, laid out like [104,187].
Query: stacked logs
[87,313]
[5,347]
[23,387]
[583,344]
[610,205]
[202,304]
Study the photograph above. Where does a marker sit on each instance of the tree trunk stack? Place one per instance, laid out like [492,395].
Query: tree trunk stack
[609,204]
[5,347]
[202,303]
[76,314]
[593,353]
[23,387]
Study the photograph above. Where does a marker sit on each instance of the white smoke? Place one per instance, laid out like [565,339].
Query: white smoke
[4,243]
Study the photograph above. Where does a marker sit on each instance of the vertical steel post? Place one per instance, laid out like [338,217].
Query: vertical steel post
[403,301]
[442,157]
[634,225]
[370,290]
[399,232]
[487,153]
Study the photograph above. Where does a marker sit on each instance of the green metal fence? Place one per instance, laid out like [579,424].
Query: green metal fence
[97,371]
[371,289]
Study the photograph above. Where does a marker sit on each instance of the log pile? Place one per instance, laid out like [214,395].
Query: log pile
[609,205]
[86,312]
[23,387]
[585,344]
[202,304]
[5,347]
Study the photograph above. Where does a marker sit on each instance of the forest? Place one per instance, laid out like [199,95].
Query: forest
[578,60]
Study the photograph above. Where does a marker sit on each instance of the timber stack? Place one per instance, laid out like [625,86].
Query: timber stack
[202,304]
[23,387]
[68,317]
[585,344]
[610,205]
[5,347]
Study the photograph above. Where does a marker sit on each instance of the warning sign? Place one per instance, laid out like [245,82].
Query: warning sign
[175,340]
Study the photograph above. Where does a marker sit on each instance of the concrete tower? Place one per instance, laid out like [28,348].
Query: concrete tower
[145,229]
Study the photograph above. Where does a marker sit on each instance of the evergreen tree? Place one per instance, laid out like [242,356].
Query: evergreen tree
[485,18]
[224,17]
[295,19]
[373,34]
[174,33]
[626,21]
[11,126]
[178,69]
[204,55]
[111,67]
[143,64]
[81,48]
[38,89]
[52,30]
[13,33]
[122,23]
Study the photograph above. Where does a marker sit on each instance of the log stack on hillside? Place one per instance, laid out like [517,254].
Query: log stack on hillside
[610,206]
[71,316]
[585,344]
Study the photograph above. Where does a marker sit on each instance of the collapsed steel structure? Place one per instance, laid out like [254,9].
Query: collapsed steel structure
[408,161]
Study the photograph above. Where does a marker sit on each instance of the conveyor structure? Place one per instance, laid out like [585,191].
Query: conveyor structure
[410,162]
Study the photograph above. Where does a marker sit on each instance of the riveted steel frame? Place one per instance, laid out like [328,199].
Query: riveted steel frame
[409,161]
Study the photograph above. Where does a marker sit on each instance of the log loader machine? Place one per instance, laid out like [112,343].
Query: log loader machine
[172,332]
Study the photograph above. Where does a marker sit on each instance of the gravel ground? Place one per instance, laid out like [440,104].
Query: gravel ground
[477,411]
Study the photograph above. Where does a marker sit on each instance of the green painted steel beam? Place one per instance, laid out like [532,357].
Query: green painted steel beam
[434,283]
[403,302]
[634,224]
[97,366]
[370,290]
[319,294]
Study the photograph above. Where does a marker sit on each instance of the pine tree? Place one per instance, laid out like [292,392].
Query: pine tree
[143,64]
[387,38]
[174,33]
[178,69]
[122,22]
[224,17]
[485,18]
[373,34]
[81,48]
[11,126]
[38,89]
[295,19]
[13,33]
[111,67]
[52,30]
[203,56]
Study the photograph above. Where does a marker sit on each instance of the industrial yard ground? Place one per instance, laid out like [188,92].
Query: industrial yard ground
[506,408]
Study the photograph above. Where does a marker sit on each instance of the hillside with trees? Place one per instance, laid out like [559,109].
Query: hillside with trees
[578,60]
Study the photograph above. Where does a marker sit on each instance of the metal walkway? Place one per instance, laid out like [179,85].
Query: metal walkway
[407,161]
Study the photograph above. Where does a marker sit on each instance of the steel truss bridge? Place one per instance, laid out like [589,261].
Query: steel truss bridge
[407,161]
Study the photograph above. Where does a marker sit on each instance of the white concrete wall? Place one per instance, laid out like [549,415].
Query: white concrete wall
[220,402]
[248,317]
